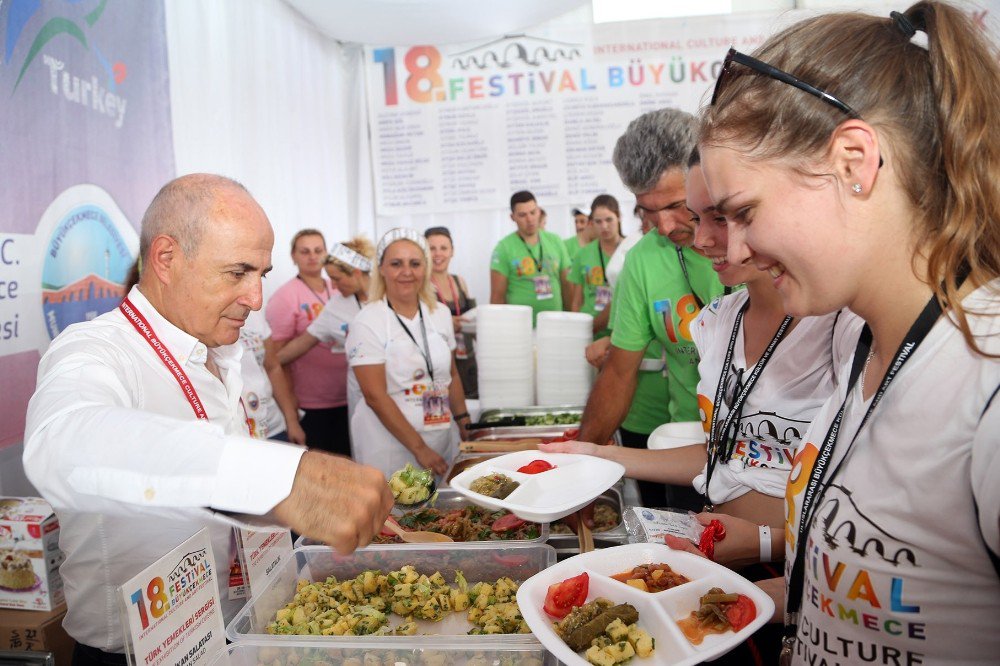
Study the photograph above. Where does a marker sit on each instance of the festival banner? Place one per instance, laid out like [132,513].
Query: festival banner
[462,127]
[87,142]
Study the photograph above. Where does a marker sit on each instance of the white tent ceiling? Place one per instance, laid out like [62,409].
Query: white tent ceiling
[407,22]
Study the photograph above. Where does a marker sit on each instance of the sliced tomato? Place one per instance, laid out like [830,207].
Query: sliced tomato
[562,597]
[507,523]
[536,467]
[741,612]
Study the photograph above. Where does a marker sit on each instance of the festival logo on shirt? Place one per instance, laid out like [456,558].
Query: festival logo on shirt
[857,578]
[677,319]
[87,258]
[595,275]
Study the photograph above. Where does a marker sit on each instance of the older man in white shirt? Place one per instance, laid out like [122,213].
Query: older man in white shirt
[137,435]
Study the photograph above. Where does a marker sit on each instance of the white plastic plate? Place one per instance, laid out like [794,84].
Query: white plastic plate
[658,612]
[674,435]
[574,483]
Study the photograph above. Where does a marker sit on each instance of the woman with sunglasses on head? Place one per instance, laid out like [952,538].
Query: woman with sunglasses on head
[857,157]
[452,291]
[588,272]
[349,267]
[400,350]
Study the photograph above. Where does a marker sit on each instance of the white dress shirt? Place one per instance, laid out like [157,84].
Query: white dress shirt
[113,444]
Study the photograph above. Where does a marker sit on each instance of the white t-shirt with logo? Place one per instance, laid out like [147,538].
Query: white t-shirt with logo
[332,326]
[333,322]
[796,382]
[897,568]
[258,397]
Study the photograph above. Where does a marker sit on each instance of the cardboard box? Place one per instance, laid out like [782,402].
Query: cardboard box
[38,632]
[29,555]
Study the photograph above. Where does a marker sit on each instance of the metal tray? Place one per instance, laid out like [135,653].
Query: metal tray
[617,535]
[520,412]
[530,411]
[517,432]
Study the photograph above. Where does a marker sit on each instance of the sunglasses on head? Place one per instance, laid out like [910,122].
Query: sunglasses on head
[761,67]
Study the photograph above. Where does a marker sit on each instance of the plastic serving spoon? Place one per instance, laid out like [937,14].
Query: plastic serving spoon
[416,537]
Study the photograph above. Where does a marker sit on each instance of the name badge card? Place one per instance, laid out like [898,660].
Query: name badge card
[543,287]
[171,612]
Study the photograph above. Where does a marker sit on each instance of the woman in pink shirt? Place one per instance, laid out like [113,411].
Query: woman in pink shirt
[319,377]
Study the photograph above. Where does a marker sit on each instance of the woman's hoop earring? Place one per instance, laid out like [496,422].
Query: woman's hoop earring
[856,188]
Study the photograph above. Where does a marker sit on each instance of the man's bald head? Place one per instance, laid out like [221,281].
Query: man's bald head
[182,209]
[206,245]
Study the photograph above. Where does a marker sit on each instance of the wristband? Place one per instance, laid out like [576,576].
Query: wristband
[765,543]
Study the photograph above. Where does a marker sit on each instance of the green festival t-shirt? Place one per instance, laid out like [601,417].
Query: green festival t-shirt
[654,301]
[526,267]
[572,247]
[649,403]
[588,271]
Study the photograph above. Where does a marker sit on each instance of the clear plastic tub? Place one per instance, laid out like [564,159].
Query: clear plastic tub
[478,561]
[447,500]
[257,653]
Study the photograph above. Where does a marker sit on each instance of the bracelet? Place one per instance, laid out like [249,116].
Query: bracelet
[463,415]
[765,543]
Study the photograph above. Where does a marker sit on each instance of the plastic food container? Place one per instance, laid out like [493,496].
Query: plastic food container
[257,653]
[447,500]
[483,561]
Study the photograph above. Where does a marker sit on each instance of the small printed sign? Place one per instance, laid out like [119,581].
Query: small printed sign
[171,609]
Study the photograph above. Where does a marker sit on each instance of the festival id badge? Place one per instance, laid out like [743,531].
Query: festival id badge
[437,410]
[543,287]
[602,298]
[461,352]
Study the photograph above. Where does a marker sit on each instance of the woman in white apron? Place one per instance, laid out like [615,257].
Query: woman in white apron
[349,267]
[400,349]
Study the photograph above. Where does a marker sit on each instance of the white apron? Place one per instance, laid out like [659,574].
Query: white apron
[406,379]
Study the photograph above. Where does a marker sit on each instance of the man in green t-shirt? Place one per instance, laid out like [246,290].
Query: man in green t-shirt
[662,287]
[529,266]
[585,233]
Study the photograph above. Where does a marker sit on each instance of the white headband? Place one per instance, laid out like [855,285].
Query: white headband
[401,233]
[341,252]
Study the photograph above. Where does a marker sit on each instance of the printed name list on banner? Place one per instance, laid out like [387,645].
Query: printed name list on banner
[171,609]
[461,128]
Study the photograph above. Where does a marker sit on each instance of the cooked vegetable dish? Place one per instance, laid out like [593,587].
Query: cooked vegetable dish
[494,485]
[652,577]
[411,485]
[565,418]
[471,523]
[361,606]
[718,613]
[608,632]
[605,518]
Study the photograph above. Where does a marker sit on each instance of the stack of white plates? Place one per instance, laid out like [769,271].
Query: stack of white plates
[505,356]
[564,376]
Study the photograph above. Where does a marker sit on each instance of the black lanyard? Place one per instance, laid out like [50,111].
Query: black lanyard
[818,483]
[541,252]
[716,451]
[687,278]
[325,288]
[426,351]
[600,255]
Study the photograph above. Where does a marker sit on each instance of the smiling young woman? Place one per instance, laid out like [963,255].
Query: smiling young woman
[877,191]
